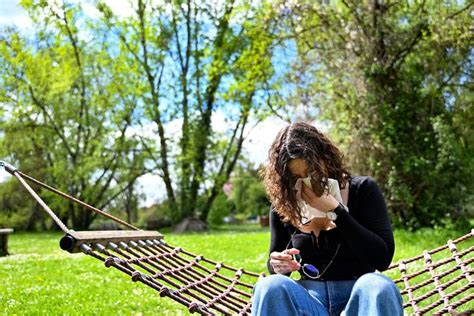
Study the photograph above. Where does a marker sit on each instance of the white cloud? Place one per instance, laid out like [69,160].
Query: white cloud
[260,139]
[11,13]
[218,122]
[90,10]
[122,8]
[255,147]
[152,187]
[147,130]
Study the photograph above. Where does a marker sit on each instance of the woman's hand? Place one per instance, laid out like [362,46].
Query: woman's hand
[283,262]
[325,202]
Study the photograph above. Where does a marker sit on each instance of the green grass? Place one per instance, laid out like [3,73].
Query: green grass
[39,278]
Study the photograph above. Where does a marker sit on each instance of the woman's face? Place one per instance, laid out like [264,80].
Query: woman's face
[298,168]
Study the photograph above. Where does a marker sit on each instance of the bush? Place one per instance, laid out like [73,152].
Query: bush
[248,193]
[221,208]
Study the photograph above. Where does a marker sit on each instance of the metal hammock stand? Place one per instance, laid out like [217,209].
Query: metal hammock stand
[437,282]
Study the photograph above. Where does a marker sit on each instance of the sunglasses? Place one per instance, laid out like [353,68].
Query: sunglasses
[309,270]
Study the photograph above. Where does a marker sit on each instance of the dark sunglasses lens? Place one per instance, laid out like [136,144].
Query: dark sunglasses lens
[297,257]
[310,270]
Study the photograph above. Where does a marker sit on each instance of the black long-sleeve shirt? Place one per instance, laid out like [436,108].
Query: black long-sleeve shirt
[364,234]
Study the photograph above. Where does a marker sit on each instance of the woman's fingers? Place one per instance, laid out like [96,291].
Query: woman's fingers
[292,251]
[308,195]
[323,203]
[283,262]
[286,254]
[285,267]
[280,256]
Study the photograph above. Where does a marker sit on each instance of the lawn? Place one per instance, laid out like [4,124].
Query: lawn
[39,278]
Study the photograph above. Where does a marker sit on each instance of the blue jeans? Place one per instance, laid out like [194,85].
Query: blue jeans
[372,294]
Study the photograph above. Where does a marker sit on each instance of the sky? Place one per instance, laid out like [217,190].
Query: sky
[12,13]
[255,147]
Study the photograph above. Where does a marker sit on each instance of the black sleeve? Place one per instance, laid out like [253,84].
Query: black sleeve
[370,236]
[279,236]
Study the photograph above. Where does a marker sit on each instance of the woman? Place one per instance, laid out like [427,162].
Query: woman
[335,241]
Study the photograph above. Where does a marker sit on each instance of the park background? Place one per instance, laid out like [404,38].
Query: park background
[163,111]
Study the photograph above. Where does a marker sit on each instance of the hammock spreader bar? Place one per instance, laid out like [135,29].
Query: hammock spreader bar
[73,240]
[428,285]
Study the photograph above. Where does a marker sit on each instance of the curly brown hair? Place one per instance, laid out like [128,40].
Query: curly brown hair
[300,141]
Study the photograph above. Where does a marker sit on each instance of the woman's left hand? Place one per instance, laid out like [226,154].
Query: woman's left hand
[325,202]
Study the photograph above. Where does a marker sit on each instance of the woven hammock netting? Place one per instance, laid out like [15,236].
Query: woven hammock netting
[439,281]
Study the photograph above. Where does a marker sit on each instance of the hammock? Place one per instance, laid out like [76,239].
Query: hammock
[437,282]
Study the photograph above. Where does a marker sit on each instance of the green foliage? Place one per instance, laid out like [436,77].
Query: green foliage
[248,192]
[221,208]
[96,98]
[92,102]
[258,200]
[19,213]
[67,120]
[391,79]
[192,62]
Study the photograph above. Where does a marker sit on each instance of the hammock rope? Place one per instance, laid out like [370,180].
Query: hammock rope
[194,281]
[438,281]
[421,278]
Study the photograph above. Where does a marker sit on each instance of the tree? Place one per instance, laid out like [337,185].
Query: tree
[248,192]
[194,60]
[67,111]
[101,99]
[393,79]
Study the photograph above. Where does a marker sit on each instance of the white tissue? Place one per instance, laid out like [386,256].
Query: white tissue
[308,212]
[334,190]
[307,182]
[299,184]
